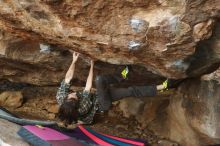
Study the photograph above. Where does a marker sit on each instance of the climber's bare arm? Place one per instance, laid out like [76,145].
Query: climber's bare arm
[90,77]
[70,72]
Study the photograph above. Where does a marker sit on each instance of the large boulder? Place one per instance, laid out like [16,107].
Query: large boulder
[189,116]
[194,113]
[160,35]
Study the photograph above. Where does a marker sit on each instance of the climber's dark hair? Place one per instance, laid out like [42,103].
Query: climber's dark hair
[68,112]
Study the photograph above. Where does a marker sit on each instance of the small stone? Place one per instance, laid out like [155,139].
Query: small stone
[71,126]
[51,116]
[123,127]
[138,132]
[111,113]
[131,106]
[106,122]
[51,101]
[11,99]
[53,108]
[166,143]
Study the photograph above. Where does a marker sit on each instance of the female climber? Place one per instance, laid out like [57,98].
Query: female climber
[81,106]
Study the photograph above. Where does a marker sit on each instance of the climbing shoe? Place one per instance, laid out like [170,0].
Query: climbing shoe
[171,83]
[165,85]
[125,72]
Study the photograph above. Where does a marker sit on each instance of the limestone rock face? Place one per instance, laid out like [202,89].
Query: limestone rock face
[198,106]
[190,116]
[161,35]
[214,76]
[33,62]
